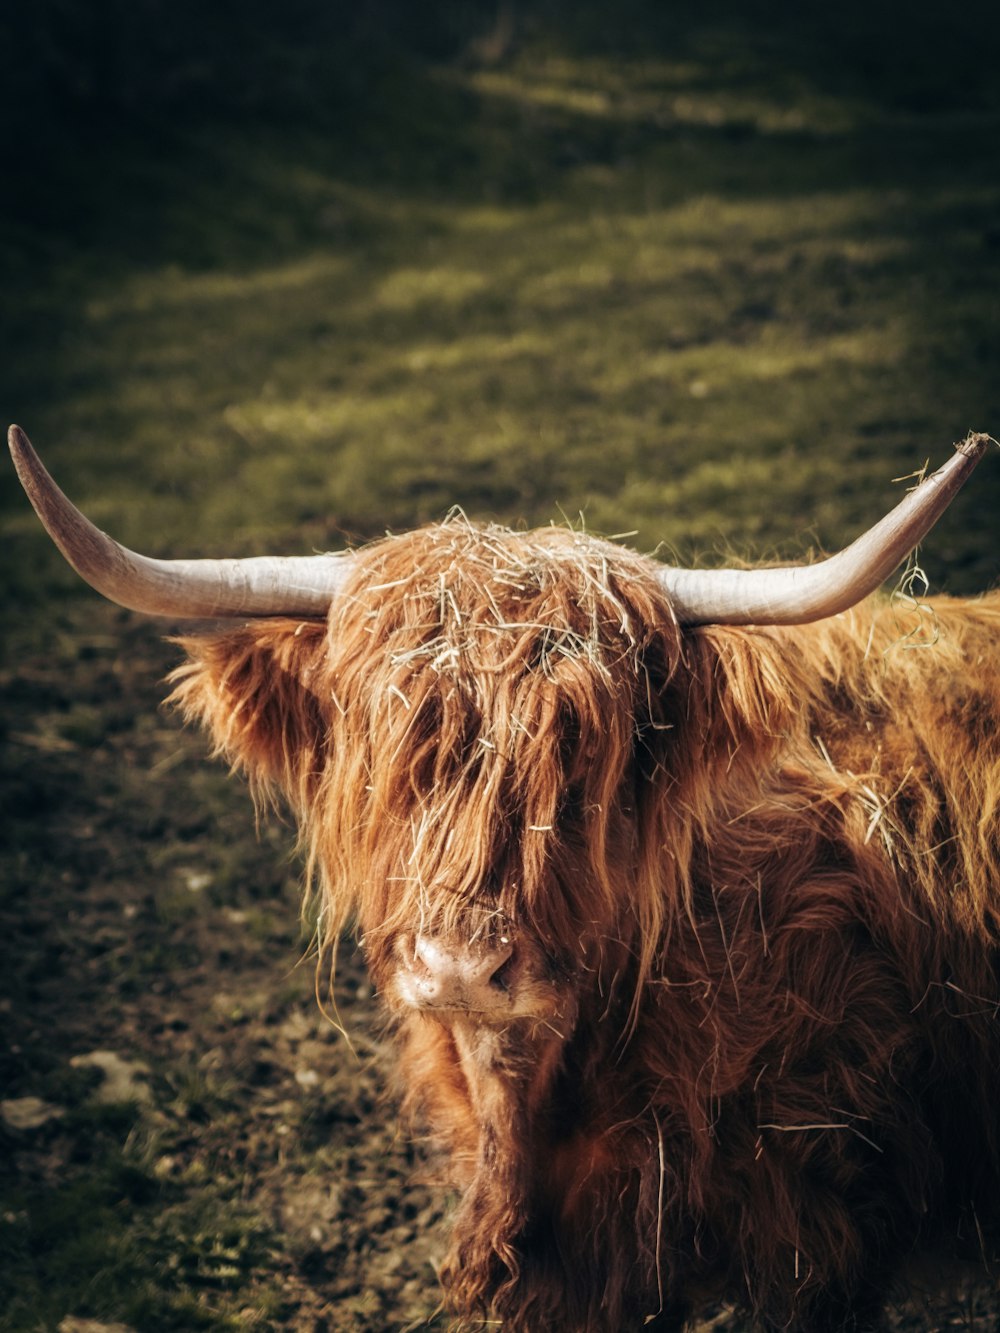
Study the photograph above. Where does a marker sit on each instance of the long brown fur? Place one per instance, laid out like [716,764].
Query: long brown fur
[758,869]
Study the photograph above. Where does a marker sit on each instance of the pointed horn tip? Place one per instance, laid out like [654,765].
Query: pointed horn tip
[26,461]
[17,441]
[27,464]
[975,444]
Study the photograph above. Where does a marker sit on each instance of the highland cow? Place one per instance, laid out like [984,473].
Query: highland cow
[681,890]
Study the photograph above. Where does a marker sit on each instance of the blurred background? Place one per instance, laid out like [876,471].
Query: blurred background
[279,277]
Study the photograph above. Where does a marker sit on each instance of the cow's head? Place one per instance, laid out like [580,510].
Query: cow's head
[471,743]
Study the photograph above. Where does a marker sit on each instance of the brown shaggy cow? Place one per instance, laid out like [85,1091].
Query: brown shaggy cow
[689,933]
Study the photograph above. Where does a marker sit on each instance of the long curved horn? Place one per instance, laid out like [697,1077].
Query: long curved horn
[796,594]
[196,589]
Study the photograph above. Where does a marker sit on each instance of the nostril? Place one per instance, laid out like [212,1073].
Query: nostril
[495,967]
[501,976]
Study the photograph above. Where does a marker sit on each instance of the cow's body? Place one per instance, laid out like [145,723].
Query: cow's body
[731,897]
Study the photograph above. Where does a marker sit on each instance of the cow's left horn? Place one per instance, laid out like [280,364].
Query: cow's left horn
[796,594]
[200,589]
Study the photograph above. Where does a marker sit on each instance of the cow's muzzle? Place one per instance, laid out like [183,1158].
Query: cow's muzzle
[473,978]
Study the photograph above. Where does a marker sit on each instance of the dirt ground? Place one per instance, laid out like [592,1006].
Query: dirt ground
[222,1074]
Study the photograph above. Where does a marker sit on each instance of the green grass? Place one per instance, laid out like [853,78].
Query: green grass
[713,280]
[645,289]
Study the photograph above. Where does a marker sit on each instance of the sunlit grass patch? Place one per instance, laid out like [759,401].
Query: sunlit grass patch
[670,95]
[411,289]
[174,286]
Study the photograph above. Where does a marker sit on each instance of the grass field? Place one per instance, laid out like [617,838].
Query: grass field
[713,282]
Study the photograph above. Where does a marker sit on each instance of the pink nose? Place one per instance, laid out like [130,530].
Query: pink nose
[445,975]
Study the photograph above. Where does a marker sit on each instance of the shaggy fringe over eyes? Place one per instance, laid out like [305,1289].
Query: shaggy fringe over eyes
[521,729]
[499,696]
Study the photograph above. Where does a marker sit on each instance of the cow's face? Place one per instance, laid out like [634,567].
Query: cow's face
[469,745]
[497,700]
[486,746]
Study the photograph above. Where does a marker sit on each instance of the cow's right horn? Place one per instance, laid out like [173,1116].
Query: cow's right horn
[197,589]
[796,594]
